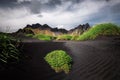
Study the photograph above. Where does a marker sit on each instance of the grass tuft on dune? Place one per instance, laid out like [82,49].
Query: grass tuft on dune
[64,37]
[105,29]
[40,36]
[59,60]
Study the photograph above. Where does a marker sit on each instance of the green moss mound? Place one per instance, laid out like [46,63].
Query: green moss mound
[59,60]
[40,36]
[64,37]
[29,35]
[106,29]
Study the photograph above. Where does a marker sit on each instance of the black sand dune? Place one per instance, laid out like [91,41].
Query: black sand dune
[93,60]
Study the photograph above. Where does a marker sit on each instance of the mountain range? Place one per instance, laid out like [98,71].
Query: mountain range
[46,29]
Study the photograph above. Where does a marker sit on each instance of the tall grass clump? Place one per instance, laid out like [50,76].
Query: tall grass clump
[105,29]
[40,36]
[59,60]
[29,35]
[10,52]
[64,37]
[43,37]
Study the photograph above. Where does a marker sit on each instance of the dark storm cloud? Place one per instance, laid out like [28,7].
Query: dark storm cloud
[115,8]
[48,3]
[59,13]
[11,4]
[36,5]
[109,13]
[7,3]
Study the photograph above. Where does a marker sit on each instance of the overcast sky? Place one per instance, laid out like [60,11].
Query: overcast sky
[15,14]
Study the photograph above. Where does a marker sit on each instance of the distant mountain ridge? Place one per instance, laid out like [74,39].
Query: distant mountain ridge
[79,29]
[46,29]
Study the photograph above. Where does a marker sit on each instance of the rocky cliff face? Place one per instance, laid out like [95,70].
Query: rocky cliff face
[79,29]
[46,29]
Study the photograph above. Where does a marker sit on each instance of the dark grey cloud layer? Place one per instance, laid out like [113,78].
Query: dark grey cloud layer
[60,13]
[36,5]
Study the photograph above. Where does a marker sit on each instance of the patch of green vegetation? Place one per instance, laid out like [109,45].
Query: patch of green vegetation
[29,35]
[41,37]
[64,37]
[105,29]
[74,37]
[9,49]
[119,28]
[59,60]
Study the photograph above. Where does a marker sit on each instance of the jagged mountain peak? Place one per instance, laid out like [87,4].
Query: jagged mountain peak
[79,29]
[45,28]
[83,27]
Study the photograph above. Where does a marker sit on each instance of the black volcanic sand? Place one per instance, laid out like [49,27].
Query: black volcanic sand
[93,60]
